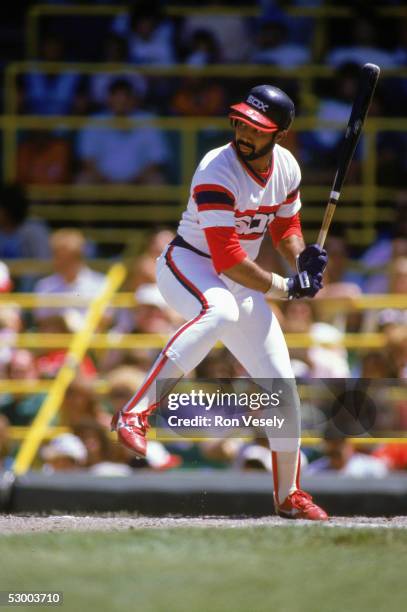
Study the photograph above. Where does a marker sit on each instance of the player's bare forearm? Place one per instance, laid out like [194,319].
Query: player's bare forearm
[290,247]
[249,274]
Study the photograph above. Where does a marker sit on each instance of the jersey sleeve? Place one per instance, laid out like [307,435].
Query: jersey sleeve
[287,220]
[214,190]
[292,203]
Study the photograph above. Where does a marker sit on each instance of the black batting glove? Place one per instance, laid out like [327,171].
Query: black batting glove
[304,285]
[313,259]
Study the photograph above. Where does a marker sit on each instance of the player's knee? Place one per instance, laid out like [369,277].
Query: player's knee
[226,312]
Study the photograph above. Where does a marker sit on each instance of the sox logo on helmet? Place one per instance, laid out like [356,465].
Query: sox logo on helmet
[257,103]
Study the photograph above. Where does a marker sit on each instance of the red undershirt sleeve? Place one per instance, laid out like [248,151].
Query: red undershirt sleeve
[224,247]
[282,227]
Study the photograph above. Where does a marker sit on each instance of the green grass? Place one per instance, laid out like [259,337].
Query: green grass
[284,569]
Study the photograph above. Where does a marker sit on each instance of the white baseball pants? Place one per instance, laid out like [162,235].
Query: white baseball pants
[217,308]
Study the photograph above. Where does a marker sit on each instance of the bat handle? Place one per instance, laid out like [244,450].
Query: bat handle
[326,222]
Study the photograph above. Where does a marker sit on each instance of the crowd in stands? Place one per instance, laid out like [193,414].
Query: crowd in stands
[147,36]
[140,154]
[87,412]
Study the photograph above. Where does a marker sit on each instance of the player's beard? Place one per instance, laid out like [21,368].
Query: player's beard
[255,154]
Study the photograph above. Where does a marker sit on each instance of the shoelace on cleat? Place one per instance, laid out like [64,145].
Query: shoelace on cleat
[301,500]
[140,421]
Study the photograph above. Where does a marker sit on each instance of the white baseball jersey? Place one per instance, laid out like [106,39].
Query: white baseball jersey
[225,192]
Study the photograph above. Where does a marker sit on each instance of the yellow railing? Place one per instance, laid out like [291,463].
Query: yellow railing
[304,75]
[127,300]
[309,439]
[319,13]
[117,341]
[367,215]
[78,345]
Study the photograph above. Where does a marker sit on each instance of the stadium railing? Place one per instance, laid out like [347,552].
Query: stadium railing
[320,14]
[77,344]
[366,216]
[77,348]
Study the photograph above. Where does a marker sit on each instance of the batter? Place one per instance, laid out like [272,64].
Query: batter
[239,192]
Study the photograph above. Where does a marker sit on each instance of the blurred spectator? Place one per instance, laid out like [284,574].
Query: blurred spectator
[123,382]
[219,363]
[339,283]
[319,149]
[387,248]
[43,159]
[50,93]
[115,52]
[273,47]
[158,241]
[341,457]
[51,360]
[230,32]
[96,440]
[397,284]
[102,459]
[71,275]
[364,47]
[198,98]
[253,456]
[151,315]
[400,53]
[203,49]
[6,459]
[375,365]
[396,350]
[20,236]
[11,324]
[338,270]
[326,358]
[6,284]
[135,155]
[21,408]
[148,32]
[65,452]
[143,270]
[393,455]
[81,402]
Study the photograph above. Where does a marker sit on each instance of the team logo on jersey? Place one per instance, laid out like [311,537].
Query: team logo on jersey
[253,224]
[261,106]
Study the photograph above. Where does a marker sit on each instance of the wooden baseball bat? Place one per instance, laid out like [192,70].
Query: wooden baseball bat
[369,76]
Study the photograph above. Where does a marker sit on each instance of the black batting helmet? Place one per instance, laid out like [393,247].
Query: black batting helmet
[265,108]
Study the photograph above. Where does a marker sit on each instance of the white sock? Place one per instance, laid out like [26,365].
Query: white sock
[287,468]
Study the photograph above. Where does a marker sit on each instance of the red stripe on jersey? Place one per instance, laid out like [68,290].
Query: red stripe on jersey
[202,207]
[260,209]
[282,227]
[291,197]
[224,247]
[212,187]
[253,236]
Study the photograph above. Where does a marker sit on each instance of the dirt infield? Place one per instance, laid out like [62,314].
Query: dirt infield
[30,524]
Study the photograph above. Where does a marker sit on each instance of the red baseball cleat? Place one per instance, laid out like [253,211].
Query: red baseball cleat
[131,431]
[299,505]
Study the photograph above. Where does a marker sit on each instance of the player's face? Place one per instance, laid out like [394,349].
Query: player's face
[250,142]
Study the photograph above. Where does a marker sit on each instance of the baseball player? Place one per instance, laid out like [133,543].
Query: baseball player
[208,274]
